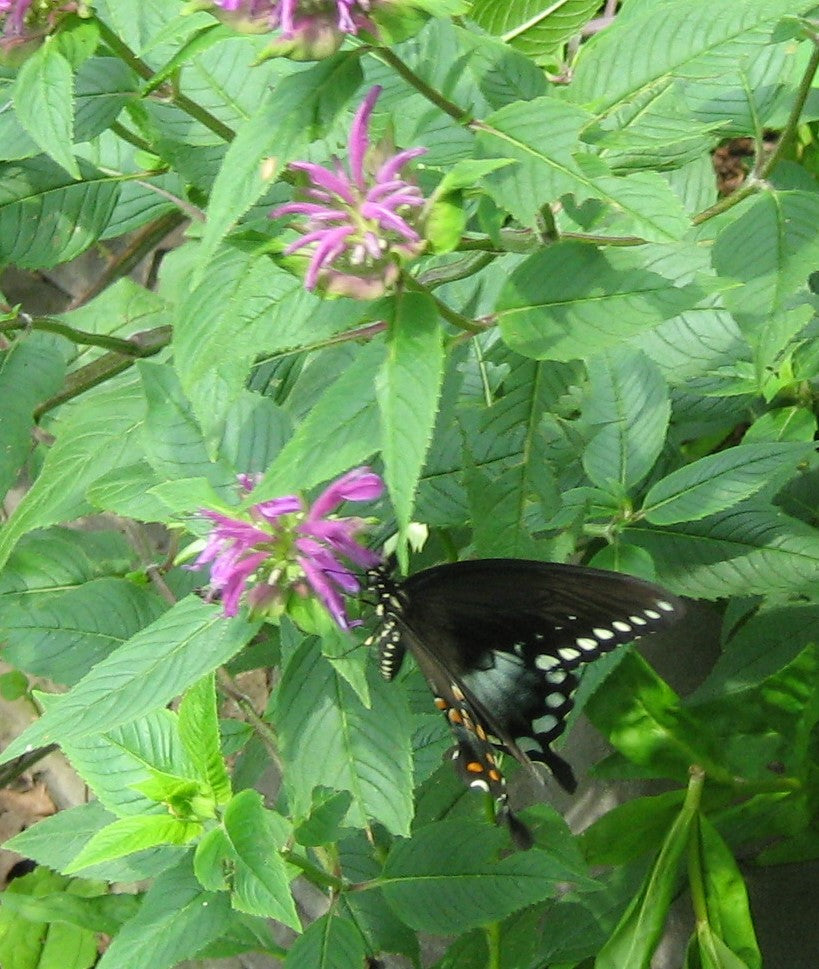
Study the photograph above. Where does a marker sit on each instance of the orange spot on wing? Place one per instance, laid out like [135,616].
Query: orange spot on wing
[474,767]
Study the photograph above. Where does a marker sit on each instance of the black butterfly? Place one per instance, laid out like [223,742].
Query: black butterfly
[501,643]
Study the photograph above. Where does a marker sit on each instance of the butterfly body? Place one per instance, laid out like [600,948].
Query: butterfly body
[501,643]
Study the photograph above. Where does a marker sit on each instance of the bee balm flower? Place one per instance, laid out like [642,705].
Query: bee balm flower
[359,222]
[284,546]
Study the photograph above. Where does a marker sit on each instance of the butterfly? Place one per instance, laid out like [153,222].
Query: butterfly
[501,643]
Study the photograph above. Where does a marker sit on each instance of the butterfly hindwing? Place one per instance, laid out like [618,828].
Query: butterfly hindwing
[502,641]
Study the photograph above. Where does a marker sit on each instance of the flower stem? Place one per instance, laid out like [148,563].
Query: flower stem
[460,115]
[184,103]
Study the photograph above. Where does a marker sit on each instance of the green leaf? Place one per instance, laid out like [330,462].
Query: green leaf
[407,387]
[630,829]
[762,646]
[294,112]
[748,550]
[30,372]
[44,103]
[628,399]
[644,719]
[329,943]
[448,877]
[531,26]
[571,300]
[127,835]
[783,424]
[771,248]
[328,739]
[117,763]
[174,443]
[55,841]
[323,823]
[38,944]
[542,137]
[105,913]
[47,217]
[726,899]
[61,635]
[693,41]
[100,433]
[341,430]
[162,934]
[637,934]
[719,481]
[260,880]
[147,672]
[199,732]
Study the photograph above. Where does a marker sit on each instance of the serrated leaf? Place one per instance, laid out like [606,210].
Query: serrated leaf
[691,41]
[748,550]
[99,914]
[329,943]
[627,399]
[95,437]
[61,635]
[260,882]
[542,137]
[719,481]
[115,764]
[162,935]
[47,217]
[30,372]
[44,103]
[340,431]
[407,387]
[280,128]
[761,647]
[199,732]
[785,250]
[449,876]
[532,26]
[570,300]
[174,443]
[154,666]
[128,835]
[329,739]
[55,841]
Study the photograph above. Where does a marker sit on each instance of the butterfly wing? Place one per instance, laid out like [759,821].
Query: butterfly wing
[503,639]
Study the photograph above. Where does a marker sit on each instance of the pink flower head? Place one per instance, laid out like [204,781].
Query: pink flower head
[358,221]
[309,29]
[284,545]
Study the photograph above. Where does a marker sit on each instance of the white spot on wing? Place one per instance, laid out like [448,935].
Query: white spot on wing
[546,662]
[623,627]
[568,653]
[585,643]
[603,634]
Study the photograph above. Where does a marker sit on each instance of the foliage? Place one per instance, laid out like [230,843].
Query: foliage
[598,357]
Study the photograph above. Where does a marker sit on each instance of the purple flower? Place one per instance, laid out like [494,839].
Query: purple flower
[309,29]
[359,222]
[284,547]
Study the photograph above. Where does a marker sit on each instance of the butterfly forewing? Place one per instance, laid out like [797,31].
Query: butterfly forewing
[500,640]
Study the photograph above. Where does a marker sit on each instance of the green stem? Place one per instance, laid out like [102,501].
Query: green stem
[460,115]
[757,178]
[791,124]
[696,882]
[127,347]
[493,944]
[261,727]
[184,103]
[313,873]
[446,312]
[108,366]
